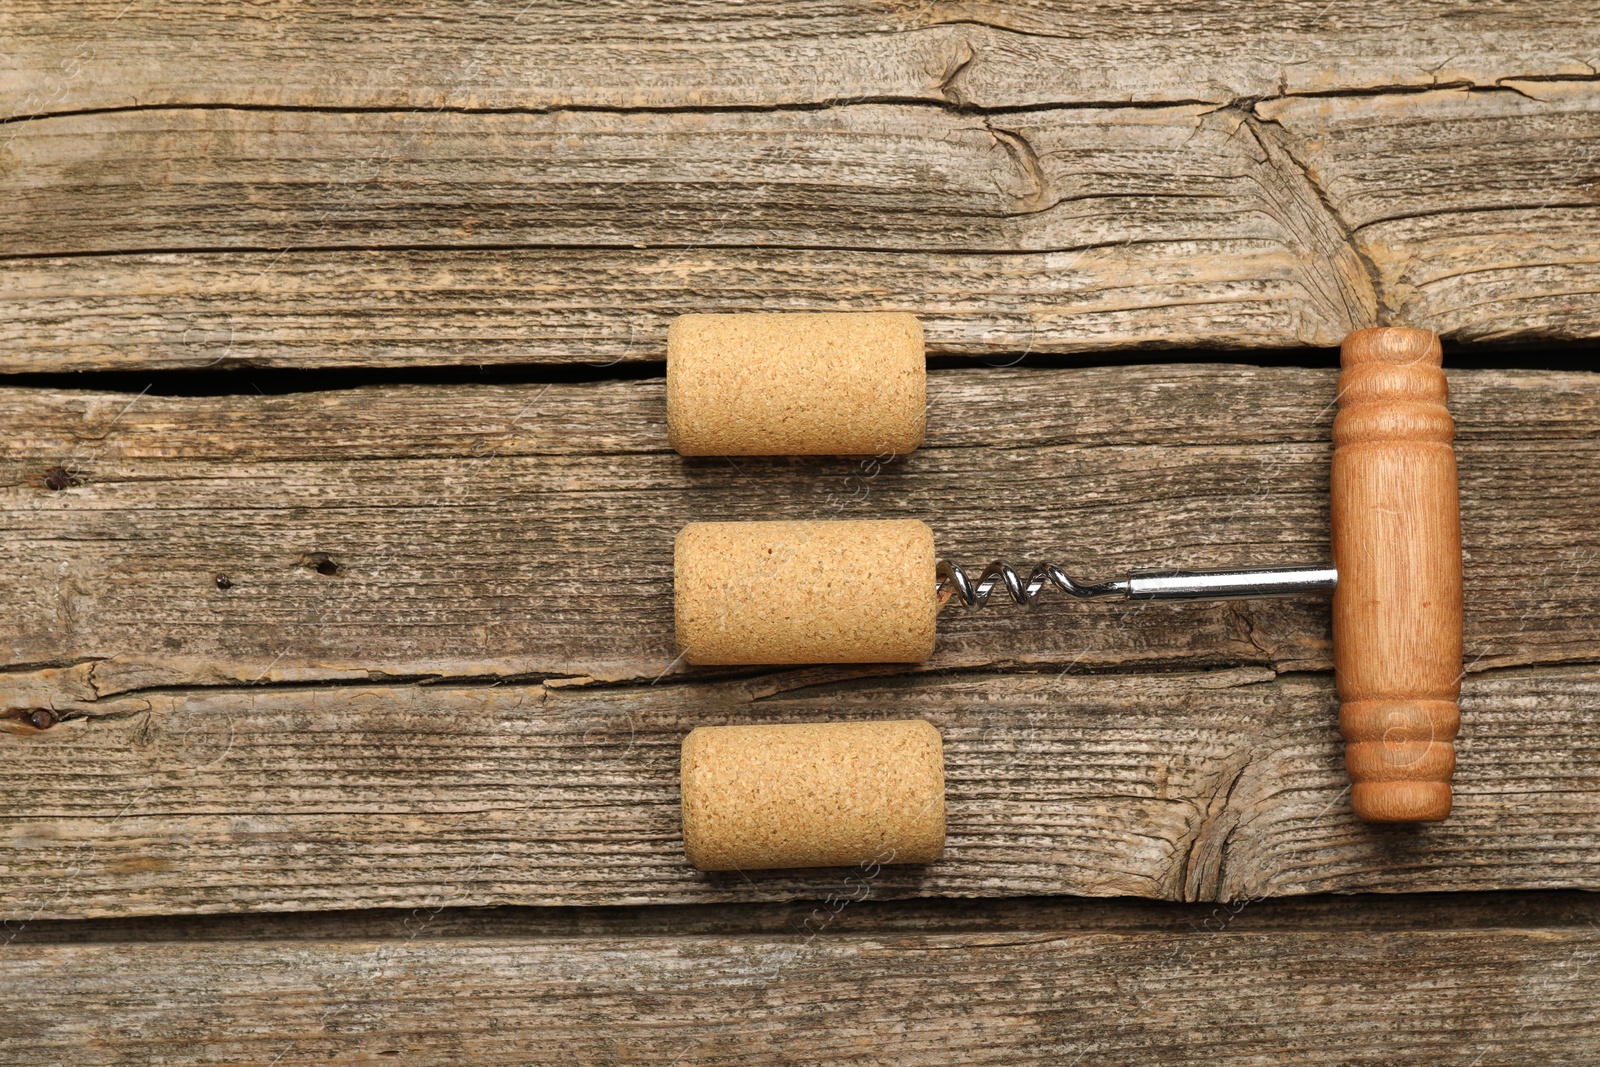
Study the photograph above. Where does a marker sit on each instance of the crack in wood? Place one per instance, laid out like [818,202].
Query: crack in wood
[1358,292]
[1021,151]
[945,98]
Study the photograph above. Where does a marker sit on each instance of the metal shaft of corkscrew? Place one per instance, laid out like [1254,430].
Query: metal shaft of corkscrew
[1138,585]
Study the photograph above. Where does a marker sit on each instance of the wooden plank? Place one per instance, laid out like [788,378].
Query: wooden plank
[203,311]
[1221,785]
[207,237]
[869,177]
[1050,995]
[104,53]
[1126,218]
[526,531]
[1509,252]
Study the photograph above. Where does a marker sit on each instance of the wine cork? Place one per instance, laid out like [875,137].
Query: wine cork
[813,795]
[831,383]
[805,592]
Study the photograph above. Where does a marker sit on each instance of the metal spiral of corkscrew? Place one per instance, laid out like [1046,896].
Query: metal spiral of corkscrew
[974,594]
[953,580]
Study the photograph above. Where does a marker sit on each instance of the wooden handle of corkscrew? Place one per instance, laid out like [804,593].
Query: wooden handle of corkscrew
[1397,547]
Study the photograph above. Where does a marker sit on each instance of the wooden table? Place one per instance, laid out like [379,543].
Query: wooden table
[341,705]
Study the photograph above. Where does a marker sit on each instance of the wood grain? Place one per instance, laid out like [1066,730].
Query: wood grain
[1219,785]
[526,531]
[653,54]
[1395,519]
[202,237]
[1508,252]
[1121,218]
[339,650]
[1225,994]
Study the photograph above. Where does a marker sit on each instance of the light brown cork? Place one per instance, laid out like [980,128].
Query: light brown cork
[827,383]
[805,592]
[828,794]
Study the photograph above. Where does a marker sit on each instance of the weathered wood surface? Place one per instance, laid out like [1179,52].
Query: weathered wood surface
[517,532]
[527,530]
[653,54]
[309,185]
[859,986]
[298,231]
[1219,785]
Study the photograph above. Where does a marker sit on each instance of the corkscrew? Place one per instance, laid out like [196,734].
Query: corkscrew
[1148,584]
[793,592]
